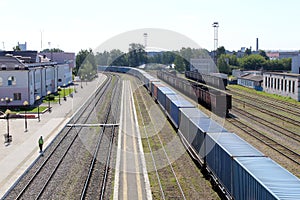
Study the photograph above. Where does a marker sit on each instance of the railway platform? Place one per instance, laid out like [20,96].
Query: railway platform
[16,157]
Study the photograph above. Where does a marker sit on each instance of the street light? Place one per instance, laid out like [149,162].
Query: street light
[25,116]
[38,98]
[65,99]
[7,100]
[59,89]
[49,108]
[8,138]
[69,85]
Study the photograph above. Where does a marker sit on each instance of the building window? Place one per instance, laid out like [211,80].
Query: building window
[290,85]
[293,88]
[275,81]
[17,96]
[281,84]
[278,83]
[271,83]
[285,83]
[11,81]
[266,81]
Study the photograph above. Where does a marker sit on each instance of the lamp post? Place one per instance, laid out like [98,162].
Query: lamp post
[69,85]
[25,116]
[59,89]
[7,100]
[65,99]
[38,98]
[49,108]
[7,137]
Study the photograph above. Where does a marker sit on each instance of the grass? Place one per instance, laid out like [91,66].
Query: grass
[274,96]
[60,94]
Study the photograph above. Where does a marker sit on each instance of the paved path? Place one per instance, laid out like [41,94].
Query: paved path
[23,150]
[131,178]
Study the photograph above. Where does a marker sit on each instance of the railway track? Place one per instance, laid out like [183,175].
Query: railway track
[269,99]
[276,104]
[277,128]
[100,162]
[46,178]
[268,112]
[165,189]
[278,147]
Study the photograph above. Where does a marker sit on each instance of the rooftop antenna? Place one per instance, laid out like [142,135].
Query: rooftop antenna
[41,40]
[216,26]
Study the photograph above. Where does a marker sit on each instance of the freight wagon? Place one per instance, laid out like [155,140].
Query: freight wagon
[216,80]
[215,100]
[237,168]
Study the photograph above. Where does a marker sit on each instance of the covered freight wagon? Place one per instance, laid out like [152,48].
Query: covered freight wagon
[262,178]
[220,151]
[173,104]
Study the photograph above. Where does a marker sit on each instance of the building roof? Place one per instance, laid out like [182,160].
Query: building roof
[283,74]
[252,77]
[25,56]
[10,63]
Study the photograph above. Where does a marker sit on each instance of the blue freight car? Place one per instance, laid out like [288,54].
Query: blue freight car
[193,126]
[173,103]
[261,178]
[162,93]
[220,150]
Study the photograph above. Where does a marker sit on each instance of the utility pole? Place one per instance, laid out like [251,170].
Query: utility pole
[216,26]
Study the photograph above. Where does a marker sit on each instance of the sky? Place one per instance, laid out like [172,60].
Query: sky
[74,25]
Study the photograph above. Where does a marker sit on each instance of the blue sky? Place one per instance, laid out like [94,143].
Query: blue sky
[73,25]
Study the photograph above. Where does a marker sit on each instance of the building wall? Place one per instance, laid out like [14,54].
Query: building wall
[64,74]
[14,86]
[282,84]
[246,83]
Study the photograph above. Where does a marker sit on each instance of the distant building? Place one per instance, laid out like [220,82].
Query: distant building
[284,84]
[251,80]
[296,64]
[203,65]
[23,47]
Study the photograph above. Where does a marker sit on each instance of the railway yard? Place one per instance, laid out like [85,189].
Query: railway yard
[269,124]
[80,162]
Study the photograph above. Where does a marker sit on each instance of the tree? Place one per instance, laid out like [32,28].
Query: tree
[16,48]
[179,63]
[248,52]
[136,55]
[220,51]
[252,62]
[264,54]
[84,56]
[223,64]
[51,50]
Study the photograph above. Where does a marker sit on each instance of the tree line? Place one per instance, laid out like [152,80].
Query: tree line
[87,61]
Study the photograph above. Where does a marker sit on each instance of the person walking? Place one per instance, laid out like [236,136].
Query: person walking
[41,142]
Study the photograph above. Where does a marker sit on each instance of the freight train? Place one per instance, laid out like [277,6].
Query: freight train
[217,80]
[217,101]
[239,170]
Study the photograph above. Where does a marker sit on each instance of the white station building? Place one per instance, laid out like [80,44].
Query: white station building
[20,81]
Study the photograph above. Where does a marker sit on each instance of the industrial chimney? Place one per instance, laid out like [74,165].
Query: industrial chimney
[256,44]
